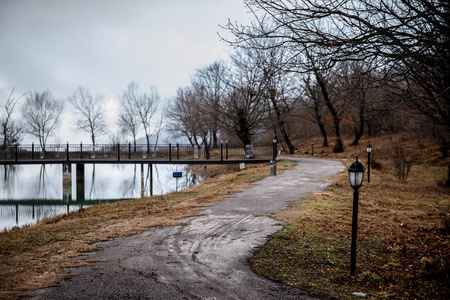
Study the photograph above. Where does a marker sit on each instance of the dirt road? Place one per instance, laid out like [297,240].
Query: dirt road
[206,259]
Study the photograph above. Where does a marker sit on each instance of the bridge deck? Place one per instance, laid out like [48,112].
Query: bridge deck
[139,154]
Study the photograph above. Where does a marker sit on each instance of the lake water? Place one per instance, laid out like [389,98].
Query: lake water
[30,193]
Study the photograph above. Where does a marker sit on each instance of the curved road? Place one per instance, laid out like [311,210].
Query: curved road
[206,259]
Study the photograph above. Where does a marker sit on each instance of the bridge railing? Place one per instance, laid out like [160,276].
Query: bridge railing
[144,152]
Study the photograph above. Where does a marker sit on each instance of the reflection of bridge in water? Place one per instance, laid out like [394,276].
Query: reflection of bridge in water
[31,211]
[43,192]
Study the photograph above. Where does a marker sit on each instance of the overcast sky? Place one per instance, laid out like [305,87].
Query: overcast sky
[104,44]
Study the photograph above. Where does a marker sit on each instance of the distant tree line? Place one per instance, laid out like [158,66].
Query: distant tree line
[41,115]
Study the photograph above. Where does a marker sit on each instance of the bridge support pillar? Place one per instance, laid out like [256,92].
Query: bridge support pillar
[80,182]
[67,182]
[149,177]
[150,170]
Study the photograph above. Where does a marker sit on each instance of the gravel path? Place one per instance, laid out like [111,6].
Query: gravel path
[206,259]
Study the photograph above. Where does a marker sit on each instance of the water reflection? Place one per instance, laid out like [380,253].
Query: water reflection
[30,193]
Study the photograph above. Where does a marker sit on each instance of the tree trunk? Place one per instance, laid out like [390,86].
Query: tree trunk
[148,142]
[318,116]
[339,147]
[214,136]
[280,122]
[243,130]
[359,132]
[362,121]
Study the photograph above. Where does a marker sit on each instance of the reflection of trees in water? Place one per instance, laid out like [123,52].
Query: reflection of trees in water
[92,191]
[103,184]
[42,191]
[119,167]
[10,172]
[192,178]
[148,180]
[129,187]
[158,179]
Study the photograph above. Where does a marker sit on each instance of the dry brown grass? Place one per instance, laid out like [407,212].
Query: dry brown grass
[33,257]
[403,233]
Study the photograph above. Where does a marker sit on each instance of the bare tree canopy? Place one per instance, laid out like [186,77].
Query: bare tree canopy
[90,117]
[10,130]
[41,115]
[410,39]
[244,111]
[139,109]
[210,84]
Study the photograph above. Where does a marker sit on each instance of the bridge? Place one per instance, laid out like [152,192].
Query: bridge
[79,155]
[135,154]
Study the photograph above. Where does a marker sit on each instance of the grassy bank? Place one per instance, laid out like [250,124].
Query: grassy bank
[35,256]
[403,232]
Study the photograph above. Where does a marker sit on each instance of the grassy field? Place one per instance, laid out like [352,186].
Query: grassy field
[35,256]
[403,231]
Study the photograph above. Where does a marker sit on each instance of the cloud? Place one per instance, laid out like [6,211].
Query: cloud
[103,45]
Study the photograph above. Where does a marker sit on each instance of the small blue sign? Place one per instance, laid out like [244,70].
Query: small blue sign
[177,174]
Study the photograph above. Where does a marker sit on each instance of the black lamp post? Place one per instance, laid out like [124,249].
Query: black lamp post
[312,148]
[356,176]
[368,149]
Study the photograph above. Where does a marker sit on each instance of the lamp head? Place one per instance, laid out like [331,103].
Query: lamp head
[356,174]
[369,148]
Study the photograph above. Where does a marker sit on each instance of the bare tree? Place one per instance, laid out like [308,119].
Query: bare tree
[278,89]
[409,39]
[10,131]
[210,83]
[128,120]
[180,114]
[143,105]
[190,117]
[312,92]
[332,102]
[41,115]
[244,111]
[89,111]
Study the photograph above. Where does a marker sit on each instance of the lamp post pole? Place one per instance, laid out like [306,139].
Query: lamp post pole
[356,176]
[312,148]
[354,233]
